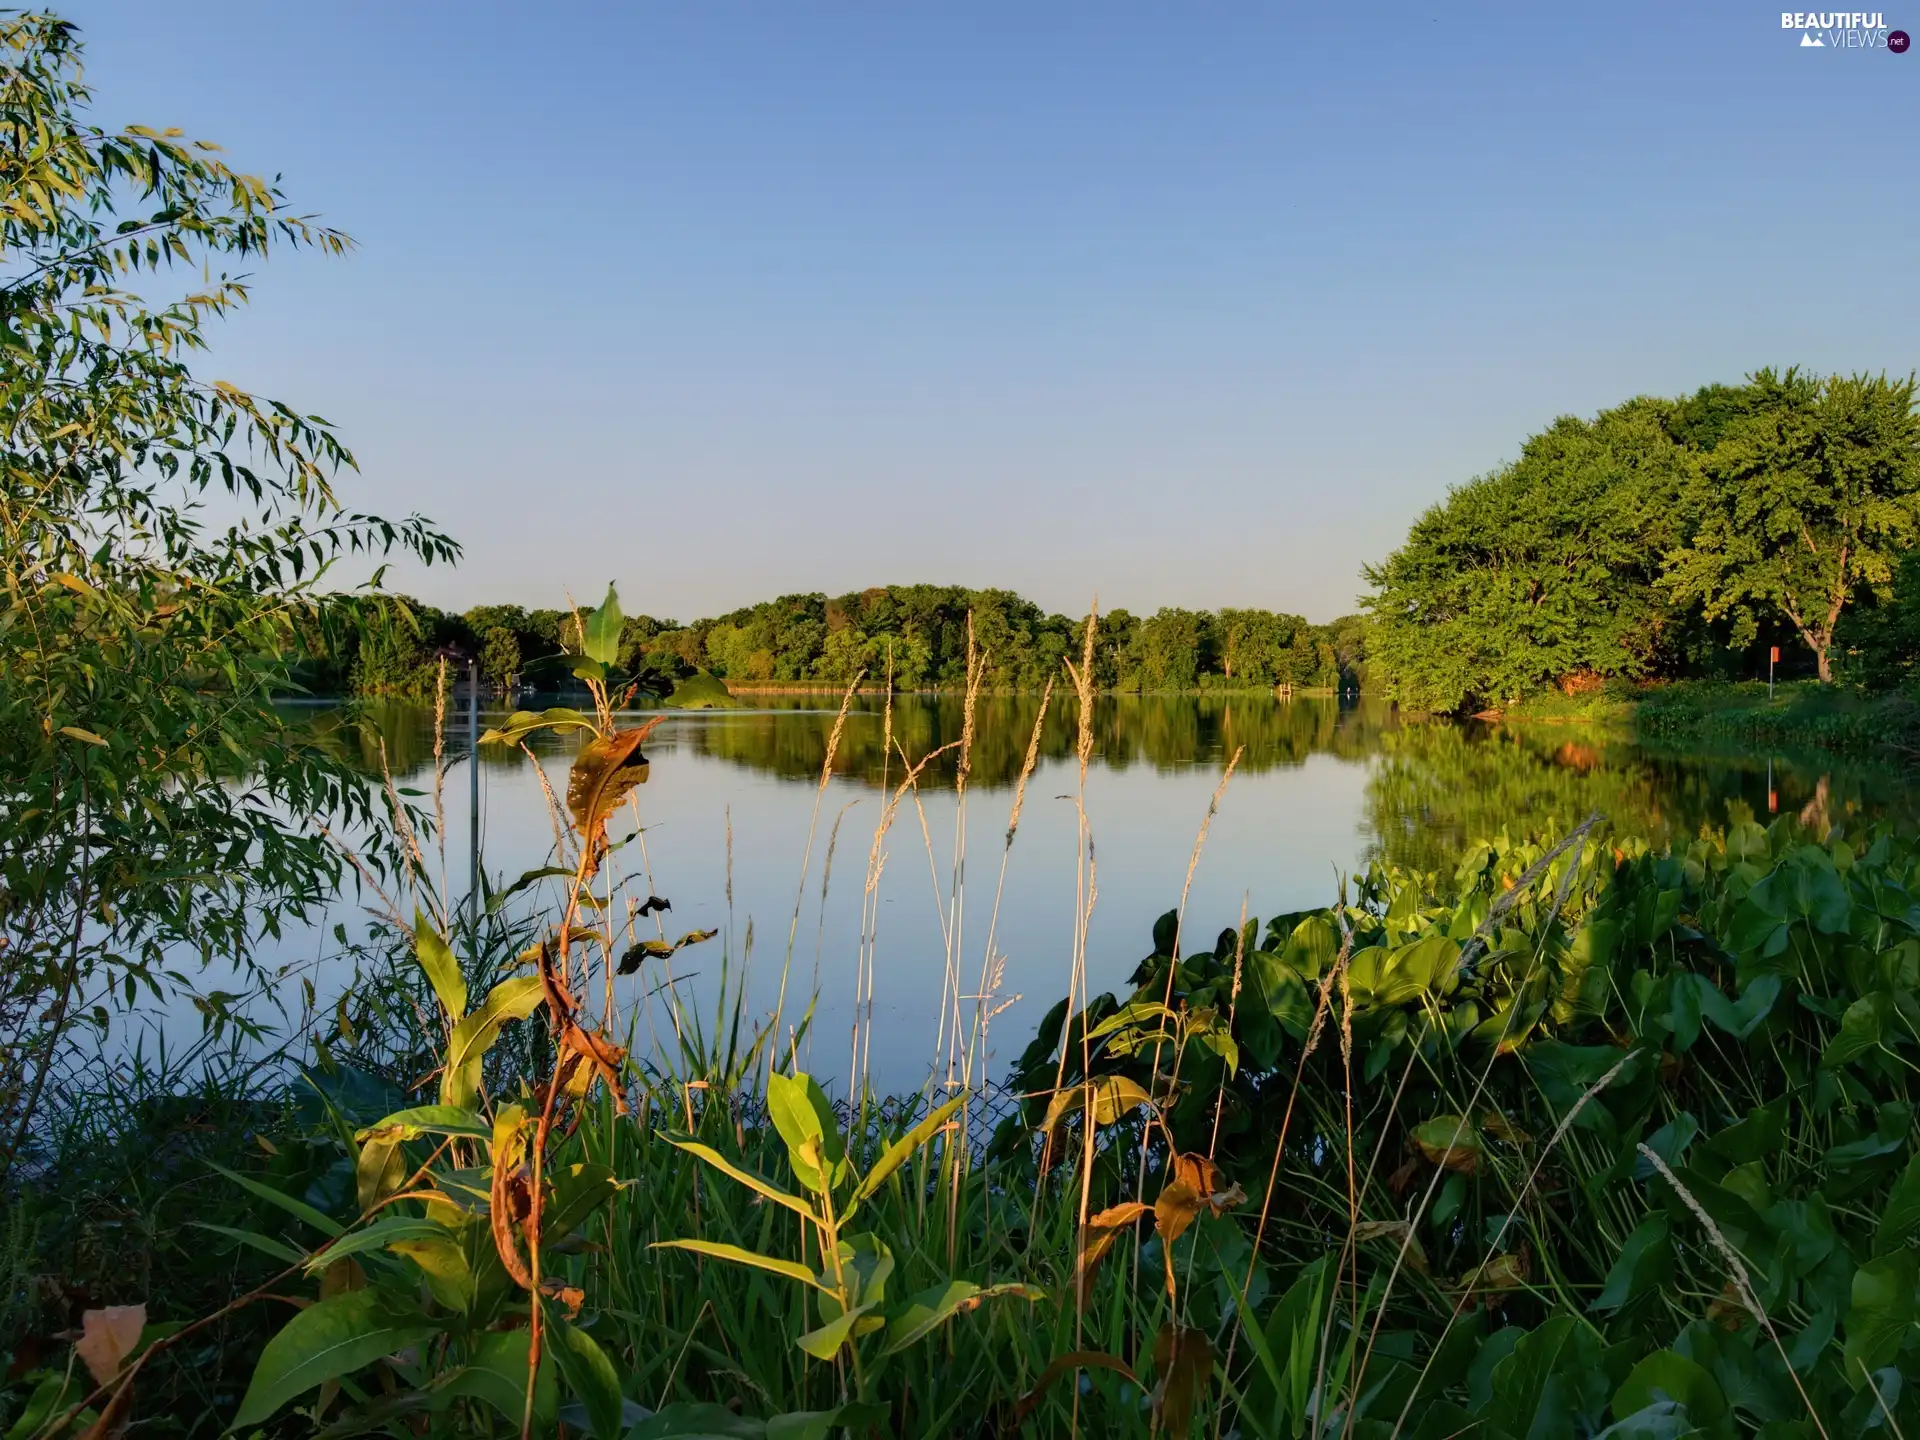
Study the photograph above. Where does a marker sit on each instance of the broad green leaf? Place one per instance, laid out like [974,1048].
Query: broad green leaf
[513,999]
[854,1418]
[1450,1141]
[377,1236]
[266,1244]
[825,1342]
[1882,1314]
[328,1339]
[738,1256]
[496,1373]
[1861,1029]
[602,626]
[589,1374]
[523,723]
[299,1209]
[1644,1263]
[1667,1376]
[442,969]
[801,1112]
[698,1421]
[578,1191]
[1900,1217]
[931,1309]
[1113,1096]
[902,1149]
[411,1124]
[745,1177]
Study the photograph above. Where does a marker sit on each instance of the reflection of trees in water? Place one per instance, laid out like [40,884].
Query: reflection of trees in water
[1434,788]
[1437,787]
[1165,732]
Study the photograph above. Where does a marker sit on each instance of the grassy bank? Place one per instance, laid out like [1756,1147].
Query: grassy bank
[1802,715]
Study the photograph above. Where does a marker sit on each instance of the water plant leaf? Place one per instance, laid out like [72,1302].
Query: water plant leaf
[746,1177]
[739,1256]
[512,999]
[605,771]
[328,1339]
[377,1236]
[1900,1217]
[436,957]
[902,1149]
[1450,1141]
[427,1120]
[589,1374]
[1861,1029]
[1666,1376]
[1882,1313]
[1645,1261]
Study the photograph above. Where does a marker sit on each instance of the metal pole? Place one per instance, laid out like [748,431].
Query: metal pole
[473,794]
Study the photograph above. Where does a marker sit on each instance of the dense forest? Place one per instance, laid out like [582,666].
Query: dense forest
[1669,539]
[389,645]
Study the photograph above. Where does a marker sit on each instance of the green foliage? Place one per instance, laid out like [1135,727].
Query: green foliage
[145,777]
[1808,496]
[1652,1109]
[1663,539]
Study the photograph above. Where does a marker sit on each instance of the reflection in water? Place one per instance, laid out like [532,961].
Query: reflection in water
[1432,787]
[1321,788]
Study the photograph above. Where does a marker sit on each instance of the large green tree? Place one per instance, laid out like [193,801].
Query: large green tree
[146,782]
[1542,570]
[1805,497]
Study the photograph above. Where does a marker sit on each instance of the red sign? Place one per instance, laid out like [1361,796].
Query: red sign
[1776,655]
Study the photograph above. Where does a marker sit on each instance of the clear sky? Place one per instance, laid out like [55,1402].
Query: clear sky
[1193,304]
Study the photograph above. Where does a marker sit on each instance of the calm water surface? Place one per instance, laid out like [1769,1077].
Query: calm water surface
[1320,789]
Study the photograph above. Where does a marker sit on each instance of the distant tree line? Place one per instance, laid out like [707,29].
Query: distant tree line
[1668,539]
[387,645]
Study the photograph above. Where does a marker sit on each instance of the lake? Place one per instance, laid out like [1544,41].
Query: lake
[1321,788]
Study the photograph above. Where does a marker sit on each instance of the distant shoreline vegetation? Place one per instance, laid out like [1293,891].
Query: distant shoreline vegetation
[916,635]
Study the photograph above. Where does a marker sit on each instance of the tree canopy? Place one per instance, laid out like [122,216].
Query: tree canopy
[1660,538]
[915,633]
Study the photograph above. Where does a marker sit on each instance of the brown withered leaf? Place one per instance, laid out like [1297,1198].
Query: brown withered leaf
[1182,1366]
[603,774]
[1101,1233]
[107,1337]
[1400,1179]
[1729,1310]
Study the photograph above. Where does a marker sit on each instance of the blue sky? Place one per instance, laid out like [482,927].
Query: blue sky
[1194,304]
